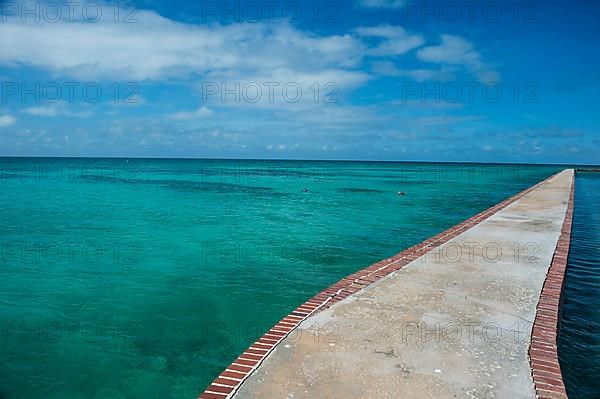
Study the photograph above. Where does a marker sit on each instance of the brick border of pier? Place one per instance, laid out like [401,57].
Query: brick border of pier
[543,352]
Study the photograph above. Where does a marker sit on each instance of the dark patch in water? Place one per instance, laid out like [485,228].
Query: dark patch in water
[190,185]
[578,349]
[187,185]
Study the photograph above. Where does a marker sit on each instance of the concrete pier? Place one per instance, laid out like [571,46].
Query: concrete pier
[454,320]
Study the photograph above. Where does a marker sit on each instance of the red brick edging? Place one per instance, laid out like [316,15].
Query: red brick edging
[547,375]
[230,380]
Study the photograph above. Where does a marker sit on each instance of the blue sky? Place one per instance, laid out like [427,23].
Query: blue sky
[489,81]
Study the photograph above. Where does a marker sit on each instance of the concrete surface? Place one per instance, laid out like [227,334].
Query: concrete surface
[455,323]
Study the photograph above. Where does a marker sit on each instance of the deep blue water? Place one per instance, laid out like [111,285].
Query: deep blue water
[579,339]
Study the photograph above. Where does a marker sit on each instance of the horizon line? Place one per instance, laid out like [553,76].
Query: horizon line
[297,160]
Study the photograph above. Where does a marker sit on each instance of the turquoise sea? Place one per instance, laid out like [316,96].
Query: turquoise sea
[579,339]
[144,278]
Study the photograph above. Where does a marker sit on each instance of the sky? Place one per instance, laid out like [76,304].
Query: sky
[475,81]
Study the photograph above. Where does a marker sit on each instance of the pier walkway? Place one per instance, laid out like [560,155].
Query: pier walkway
[452,317]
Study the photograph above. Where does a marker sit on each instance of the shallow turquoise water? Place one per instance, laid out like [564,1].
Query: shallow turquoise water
[145,278]
[579,339]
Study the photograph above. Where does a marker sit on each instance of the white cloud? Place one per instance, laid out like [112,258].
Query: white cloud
[42,111]
[452,50]
[386,31]
[396,40]
[159,48]
[201,113]
[54,110]
[387,68]
[455,50]
[381,3]
[7,120]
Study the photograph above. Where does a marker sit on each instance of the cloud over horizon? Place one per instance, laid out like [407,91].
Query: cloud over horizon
[7,120]
[455,50]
